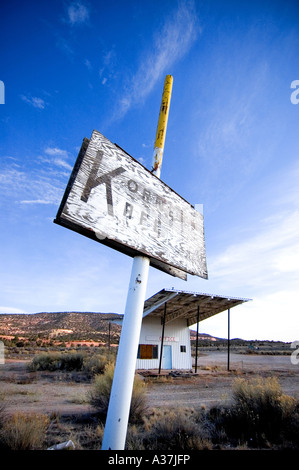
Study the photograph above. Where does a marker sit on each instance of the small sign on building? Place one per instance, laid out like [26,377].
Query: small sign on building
[114,199]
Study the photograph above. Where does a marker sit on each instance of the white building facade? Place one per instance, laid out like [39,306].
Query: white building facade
[170,313]
[176,353]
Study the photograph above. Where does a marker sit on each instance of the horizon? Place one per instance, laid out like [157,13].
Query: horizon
[231,146]
[192,327]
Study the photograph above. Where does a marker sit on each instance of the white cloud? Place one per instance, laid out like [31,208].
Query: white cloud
[59,157]
[88,64]
[36,201]
[42,185]
[62,163]
[30,187]
[77,13]
[56,151]
[169,45]
[34,101]
[65,47]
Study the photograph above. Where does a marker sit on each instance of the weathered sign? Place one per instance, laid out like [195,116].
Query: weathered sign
[114,199]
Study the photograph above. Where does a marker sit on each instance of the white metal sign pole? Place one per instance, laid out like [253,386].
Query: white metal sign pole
[121,392]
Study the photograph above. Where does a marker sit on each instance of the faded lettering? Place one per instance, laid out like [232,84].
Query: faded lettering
[114,197]
[128,210]
[94,181]
[133,186]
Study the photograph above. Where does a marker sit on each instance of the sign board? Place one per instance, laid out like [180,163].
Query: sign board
[114,199]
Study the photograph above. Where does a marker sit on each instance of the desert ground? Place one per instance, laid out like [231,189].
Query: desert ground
[66,393]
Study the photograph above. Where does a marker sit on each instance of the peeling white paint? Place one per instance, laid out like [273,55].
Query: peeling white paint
[120,200]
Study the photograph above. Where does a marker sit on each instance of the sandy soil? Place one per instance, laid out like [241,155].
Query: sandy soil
[60,392]
[213,384]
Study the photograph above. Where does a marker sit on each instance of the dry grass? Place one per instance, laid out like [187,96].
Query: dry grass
[24,431]
[250,413]
[260,415]
[174,431]
[100,393]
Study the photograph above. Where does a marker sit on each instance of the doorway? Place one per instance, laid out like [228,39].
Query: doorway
[167,357]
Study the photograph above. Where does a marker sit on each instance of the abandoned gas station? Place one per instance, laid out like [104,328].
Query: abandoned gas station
[113,199]
[164,341]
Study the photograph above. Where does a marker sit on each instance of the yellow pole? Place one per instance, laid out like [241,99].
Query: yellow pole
[162,125]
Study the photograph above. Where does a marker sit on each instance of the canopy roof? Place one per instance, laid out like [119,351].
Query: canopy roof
[182,304]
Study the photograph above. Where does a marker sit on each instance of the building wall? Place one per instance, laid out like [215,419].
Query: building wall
[176,334]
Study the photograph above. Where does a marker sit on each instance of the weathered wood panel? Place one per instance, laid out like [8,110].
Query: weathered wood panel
[113,198]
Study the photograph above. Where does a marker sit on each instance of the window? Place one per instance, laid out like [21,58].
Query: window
[147,351]
[183,348]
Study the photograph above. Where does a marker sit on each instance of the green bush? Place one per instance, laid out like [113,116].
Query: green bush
[45,361]
[57,361]
[69,361]
[72,361]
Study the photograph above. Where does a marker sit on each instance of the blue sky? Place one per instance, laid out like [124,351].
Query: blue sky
[232,145]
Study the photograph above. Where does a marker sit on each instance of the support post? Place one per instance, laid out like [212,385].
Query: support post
[122,386]
[162,125]
[196,350]
[228,337]
[123,380]
[162,337]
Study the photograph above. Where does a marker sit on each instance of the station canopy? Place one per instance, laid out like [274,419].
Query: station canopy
[192,306]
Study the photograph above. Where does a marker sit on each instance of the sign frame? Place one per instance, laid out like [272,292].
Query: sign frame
[88,178]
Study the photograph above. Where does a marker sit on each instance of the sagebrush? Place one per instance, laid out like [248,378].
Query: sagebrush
[260,415]
[99,394]
[24,431]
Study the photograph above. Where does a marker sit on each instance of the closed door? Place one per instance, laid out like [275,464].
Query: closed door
[166,358]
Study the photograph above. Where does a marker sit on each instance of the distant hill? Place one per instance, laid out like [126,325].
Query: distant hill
[67,326]
[97,327]
[203,336]
[62,325]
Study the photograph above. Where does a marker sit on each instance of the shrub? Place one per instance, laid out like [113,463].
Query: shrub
[175,431]
[260,414]
[100,393]
[72,361]
[2,410]
[69,361]
[95,364]
[24,432]
[45,361]
[57,361]
[263,408]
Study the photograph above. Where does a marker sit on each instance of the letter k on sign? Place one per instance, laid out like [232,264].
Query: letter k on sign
[94,180]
